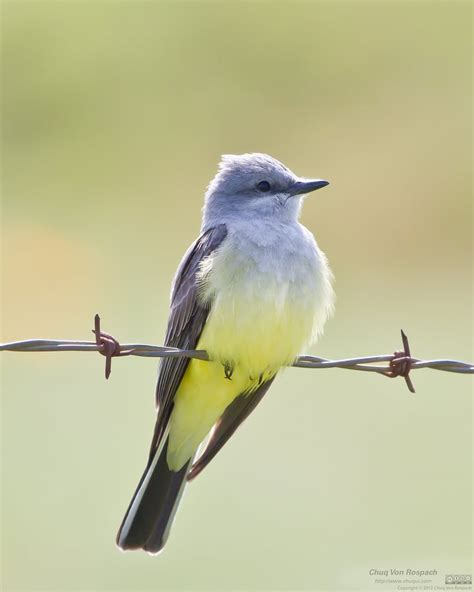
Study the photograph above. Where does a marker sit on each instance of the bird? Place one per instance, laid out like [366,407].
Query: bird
[253,291]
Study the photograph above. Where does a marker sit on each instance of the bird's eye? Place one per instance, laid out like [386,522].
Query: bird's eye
[263,186]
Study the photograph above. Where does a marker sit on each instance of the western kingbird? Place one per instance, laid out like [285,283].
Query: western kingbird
[253,291]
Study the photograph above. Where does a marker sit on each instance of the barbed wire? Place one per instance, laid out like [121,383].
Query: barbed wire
[400,363]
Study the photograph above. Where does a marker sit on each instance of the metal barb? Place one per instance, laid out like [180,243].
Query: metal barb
[401,363]
[107,345]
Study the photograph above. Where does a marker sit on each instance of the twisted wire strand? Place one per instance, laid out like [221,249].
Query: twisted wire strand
[159,351]
[400,363]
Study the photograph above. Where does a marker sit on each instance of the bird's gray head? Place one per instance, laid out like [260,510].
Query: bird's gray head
[255,186]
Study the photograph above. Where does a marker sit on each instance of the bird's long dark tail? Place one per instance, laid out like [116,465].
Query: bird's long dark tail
[148,520]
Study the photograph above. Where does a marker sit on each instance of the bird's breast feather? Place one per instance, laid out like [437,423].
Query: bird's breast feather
[267,305]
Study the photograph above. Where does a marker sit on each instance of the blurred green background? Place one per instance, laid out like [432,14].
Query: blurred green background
[114,117]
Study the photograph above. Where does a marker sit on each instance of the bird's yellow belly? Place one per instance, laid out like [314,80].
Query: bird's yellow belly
[202,397]
[255,338]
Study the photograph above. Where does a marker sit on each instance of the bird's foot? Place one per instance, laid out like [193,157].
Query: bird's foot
[228,370]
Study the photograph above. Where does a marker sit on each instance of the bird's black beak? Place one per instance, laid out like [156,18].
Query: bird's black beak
[307,185]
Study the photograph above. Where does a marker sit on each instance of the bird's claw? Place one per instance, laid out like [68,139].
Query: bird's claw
[228,370]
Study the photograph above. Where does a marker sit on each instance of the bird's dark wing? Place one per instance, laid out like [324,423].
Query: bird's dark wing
[185,323]
[233,416]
